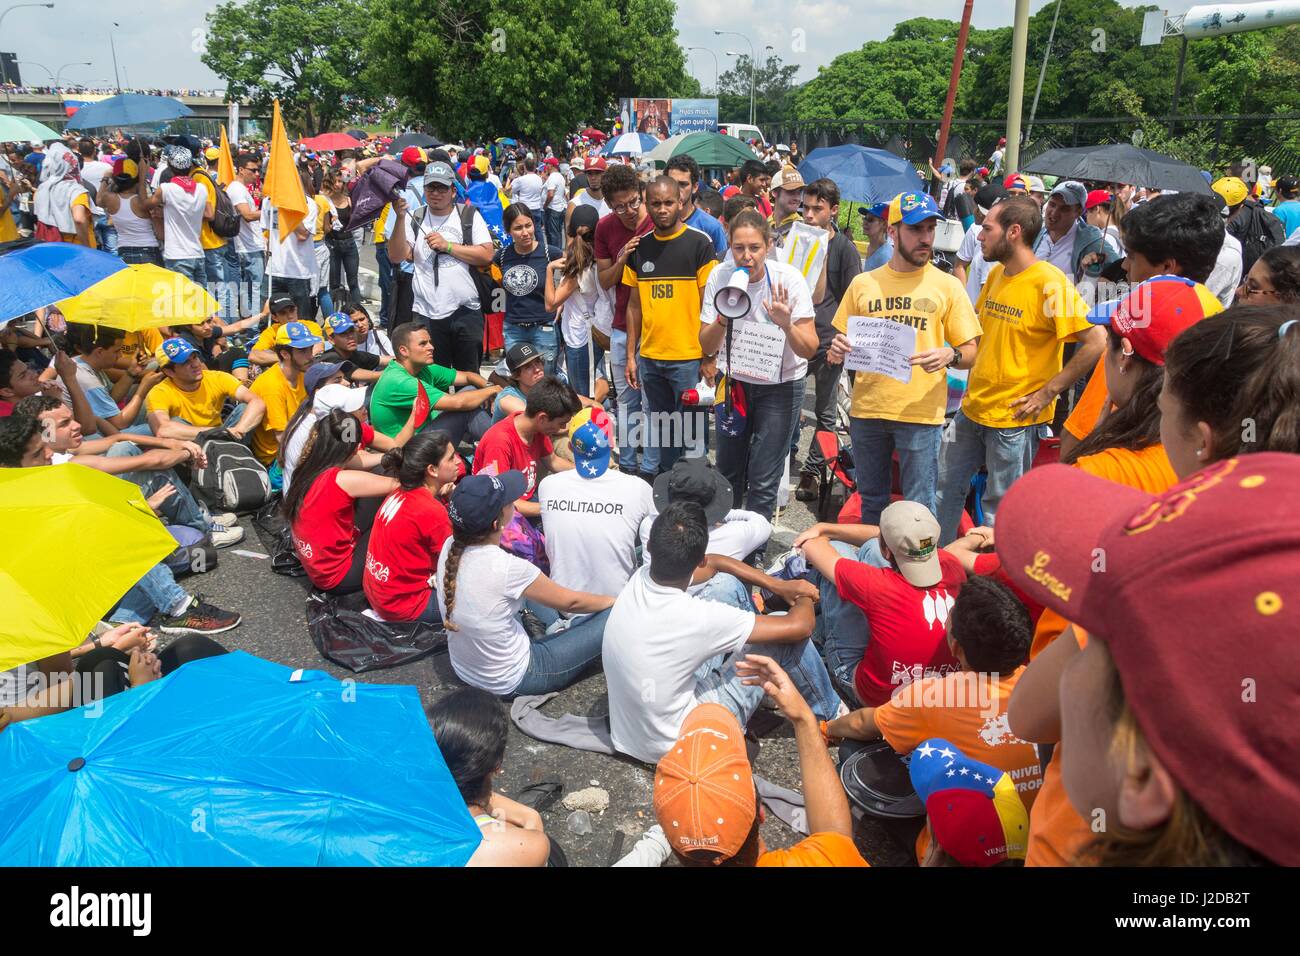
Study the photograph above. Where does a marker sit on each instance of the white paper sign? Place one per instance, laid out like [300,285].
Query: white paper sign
[882,346]
[757,349]
[805,249]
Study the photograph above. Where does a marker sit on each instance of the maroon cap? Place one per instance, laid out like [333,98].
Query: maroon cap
[1196,593]
[594,164]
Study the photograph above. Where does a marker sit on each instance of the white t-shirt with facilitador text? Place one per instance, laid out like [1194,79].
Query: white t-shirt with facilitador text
[183,220]
[591,527]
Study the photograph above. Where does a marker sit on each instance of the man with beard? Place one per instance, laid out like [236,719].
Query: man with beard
[887,414]
[1028,310]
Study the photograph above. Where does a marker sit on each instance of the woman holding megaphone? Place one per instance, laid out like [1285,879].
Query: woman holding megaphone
[757,319]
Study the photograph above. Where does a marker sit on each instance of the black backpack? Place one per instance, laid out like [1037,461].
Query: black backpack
[226,223]
[1258,231]
[233,479]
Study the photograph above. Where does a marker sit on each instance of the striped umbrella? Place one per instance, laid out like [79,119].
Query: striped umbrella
[629,144]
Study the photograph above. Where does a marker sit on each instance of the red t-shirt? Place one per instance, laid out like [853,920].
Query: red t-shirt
[325,531]
[502,450]
[404,545]
[908,624]
[990,566]
[611,237]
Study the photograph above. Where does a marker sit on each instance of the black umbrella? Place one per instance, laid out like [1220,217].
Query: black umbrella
[422,140]
[358,134]
[1120,163]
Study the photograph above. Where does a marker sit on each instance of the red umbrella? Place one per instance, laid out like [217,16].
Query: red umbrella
[331,141]
[594,134]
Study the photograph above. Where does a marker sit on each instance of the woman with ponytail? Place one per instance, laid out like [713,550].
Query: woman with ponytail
[482,590]
[410,529]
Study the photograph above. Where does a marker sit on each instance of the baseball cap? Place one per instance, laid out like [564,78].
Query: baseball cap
[976,815]
[583,216]
[481,164]
[412,156]
[1002,141]
[174,351]
[1096,198]
[439,173]
[989,195]
[1015,181]
[591,450]
[880,210]
[788,178]
[694,479]
[704,794]
[551,161]
[594,164]
[1201,591]
[125,167]
[1152,315]
[478,499]
[340,396]
[519,355]
[323,371]
[912,209]
[1035,184]
[597,416]
[1287,184]
[281,301]
[912,534]
[338,323]
[296,336]
[1072,193]
[1232,189]
[212,153]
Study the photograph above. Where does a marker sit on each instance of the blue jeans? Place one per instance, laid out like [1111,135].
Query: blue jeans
[219,280]
[252,267]
[629,402]
[539,227]
[662,385]
[842,629]
[755,462]
[432,614]
[554,221]
[297,289]
[874,441]
[385,282]
[1007,453]
[564,654]
[138,255]
[540,337]
[196,269]
[105,234]
[180,508]
[578,369]
[156,592]
[717,681]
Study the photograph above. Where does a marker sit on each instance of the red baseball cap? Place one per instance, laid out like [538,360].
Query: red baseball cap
[1196,593]
[594,164]
[1152,315]
[1015,181]
[413,156]
[1096,198]
[551,161]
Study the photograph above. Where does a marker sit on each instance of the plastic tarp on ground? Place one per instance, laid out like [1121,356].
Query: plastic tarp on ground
[234,761]
[358,642]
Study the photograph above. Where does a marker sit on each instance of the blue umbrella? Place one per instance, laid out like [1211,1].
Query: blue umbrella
[129,109]
[42,274]
[863,174]
[234,761]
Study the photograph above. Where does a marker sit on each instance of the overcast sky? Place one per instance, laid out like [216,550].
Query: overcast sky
[157,40]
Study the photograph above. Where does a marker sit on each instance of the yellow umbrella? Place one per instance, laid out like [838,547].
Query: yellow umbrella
[282,186]
[76,540]
[225,165]
[141,296]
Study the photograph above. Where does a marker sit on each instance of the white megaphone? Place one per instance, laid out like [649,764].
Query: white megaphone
[732,300]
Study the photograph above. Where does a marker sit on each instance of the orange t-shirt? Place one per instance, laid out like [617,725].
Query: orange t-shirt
[820,849]
[1086,411]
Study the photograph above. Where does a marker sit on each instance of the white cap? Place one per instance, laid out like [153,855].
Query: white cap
[338,395]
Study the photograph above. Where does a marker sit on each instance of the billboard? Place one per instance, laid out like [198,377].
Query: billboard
[662,118]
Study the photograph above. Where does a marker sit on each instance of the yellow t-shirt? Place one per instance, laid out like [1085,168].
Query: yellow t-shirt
[207,238]
[322,210]
[282,400]
[201,407]
[936,305]
[669,275]
[266,340]
[8,228]
[84,202]
[1027,319]
[379,223]
[140,346]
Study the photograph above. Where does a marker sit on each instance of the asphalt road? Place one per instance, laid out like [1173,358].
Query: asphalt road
[274,627]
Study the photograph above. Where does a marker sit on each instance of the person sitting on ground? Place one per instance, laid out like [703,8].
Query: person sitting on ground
[410,529]
[22,446]
[281,388]
[706,801]
[19,380]
[342,334]
[330,508]
[471,727]
[686,647]
[370,337]
[522,441]
[884,607]
[525,367]
[97,349]
[210,338]
[191,398]
[283,308]
[482,590]
[460,415]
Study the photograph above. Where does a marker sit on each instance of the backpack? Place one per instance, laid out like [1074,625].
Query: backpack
[225,223]
[484,284]
[233,479]
[1258,231]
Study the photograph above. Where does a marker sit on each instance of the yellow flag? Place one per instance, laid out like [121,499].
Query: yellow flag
[225,165]
[282,187]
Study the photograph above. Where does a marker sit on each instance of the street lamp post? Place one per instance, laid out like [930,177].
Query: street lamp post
[715,63]
[112,46]
[732,33]
[58,77]
[41,65]
[4,13]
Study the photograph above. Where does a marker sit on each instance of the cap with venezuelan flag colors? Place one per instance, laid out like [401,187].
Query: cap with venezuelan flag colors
[912,209]
[1152,315]
[976,816]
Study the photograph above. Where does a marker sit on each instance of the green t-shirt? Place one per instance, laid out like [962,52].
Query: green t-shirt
[394,394]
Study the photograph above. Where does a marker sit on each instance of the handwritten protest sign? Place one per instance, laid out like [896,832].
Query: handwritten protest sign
[881,346]
[756,352]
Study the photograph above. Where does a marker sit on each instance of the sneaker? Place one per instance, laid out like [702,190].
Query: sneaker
[223,537]
[227,519]
[200,618]
[789,566]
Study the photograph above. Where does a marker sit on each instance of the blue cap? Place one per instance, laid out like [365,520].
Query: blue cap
[478,499]
[338,323]
[321,371]
[880,210]
[296,336]
[591,451]
[176,351]
[913,208]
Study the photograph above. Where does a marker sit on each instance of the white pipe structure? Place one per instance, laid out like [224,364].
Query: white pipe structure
[1219,19]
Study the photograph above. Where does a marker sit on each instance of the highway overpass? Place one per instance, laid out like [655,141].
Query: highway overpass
[209,111]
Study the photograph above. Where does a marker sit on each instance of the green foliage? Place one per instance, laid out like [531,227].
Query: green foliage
[773,86]
[306,53]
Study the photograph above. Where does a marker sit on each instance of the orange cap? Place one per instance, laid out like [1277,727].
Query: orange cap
[704,788]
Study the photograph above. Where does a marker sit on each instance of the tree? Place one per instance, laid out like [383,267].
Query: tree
[483,67]
[306,53]
[773,84]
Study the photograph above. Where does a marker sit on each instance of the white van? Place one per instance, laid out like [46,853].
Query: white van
[742,131]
